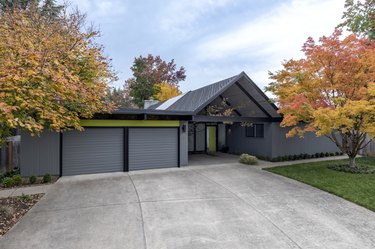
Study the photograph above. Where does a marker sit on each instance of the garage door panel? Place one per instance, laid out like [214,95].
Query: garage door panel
[95,150]
[152,148]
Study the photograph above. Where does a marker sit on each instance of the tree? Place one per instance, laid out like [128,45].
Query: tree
[46,7]
[52,73]
[330,92]
[165,91]
[148,72]
[360,17]
[120,98]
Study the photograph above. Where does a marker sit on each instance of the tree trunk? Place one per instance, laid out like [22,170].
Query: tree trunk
[352,162]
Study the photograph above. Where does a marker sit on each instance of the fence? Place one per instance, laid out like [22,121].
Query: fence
[369,149]
[10,154]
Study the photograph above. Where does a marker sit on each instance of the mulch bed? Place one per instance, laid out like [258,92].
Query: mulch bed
[13,208]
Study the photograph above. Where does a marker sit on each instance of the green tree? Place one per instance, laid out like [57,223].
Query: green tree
[47,8]
[359,17]
[148,73]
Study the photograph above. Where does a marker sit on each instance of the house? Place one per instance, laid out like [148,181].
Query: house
[232,115]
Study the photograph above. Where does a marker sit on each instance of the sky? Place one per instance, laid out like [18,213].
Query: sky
[213,40]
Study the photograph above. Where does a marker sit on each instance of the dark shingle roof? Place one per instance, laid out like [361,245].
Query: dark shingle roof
[193,101]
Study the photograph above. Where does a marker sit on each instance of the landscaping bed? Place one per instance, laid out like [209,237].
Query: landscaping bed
[356,187]
[12,179]
[13,208]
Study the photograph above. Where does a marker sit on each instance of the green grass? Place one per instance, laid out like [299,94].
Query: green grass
[357,188]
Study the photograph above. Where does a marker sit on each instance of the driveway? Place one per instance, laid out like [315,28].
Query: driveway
[211,206]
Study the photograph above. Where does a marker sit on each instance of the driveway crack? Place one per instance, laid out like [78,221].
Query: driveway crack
[247,203]
[141,210]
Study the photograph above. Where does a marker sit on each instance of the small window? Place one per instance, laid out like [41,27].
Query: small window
[256,130]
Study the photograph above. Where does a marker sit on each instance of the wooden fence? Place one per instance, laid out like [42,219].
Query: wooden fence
[10,154]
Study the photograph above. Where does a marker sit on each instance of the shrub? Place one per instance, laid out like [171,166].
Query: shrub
[248,159]
[8,182]
[10,173]
[360,169]
[32,179]
[24,197]
[17,180]
[6,211]
[46,178]
[331,154]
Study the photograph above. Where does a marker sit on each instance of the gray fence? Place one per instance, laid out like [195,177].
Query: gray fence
[369,149]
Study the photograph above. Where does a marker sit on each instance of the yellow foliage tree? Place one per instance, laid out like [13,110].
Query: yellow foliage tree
[165,91]
[52,73]
[331,91]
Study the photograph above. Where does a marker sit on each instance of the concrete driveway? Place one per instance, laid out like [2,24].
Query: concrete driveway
[221,206]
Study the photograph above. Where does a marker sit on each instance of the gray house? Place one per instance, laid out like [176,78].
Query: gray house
[232,115]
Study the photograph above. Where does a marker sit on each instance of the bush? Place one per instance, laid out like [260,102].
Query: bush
[360,169]
[331,154]
[248,159]
[17,180]
[24,197]
[46,178]
[11,173]
[8,182]
[32,179]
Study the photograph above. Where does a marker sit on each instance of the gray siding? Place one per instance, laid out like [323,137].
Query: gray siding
[275,143]
[184,144]
[95,150]
[151,148]
[40,155]
[310,144]
[239,143]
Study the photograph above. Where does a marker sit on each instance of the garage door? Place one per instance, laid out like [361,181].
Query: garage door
[152,148]
[93,151]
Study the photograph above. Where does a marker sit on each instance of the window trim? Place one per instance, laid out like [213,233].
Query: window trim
[254,131]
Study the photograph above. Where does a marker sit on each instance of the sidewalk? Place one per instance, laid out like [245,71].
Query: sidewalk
[25,190]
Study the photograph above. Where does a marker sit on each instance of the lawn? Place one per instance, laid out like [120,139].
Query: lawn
[357,188]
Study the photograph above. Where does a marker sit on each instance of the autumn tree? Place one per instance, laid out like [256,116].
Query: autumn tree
[148,73]
[165,91]
[119,98]
[359,17]
[52,72]
[331,91]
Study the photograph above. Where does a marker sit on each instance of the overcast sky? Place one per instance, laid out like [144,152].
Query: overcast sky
[212,39]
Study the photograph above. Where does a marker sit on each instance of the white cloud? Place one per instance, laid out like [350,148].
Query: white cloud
[273,37]
[101,8]
[180,16]
[281,31]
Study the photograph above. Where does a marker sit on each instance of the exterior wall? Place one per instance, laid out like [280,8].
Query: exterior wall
[40,155]
[238,142]
[184,144]
[274,143]
[310,144]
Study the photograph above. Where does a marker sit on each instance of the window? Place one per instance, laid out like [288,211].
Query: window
[256,130]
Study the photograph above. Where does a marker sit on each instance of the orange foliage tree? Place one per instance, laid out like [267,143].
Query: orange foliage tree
[52,73]
[331,91]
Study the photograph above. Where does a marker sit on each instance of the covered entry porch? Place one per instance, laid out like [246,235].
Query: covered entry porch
[207,137]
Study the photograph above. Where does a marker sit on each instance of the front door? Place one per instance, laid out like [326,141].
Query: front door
[211,138]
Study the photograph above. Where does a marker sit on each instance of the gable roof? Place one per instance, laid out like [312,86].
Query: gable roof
[194,101]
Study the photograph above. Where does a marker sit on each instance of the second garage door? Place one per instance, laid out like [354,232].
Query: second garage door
[95,150]
[152,148]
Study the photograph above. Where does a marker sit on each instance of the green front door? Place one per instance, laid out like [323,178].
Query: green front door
[211,138]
